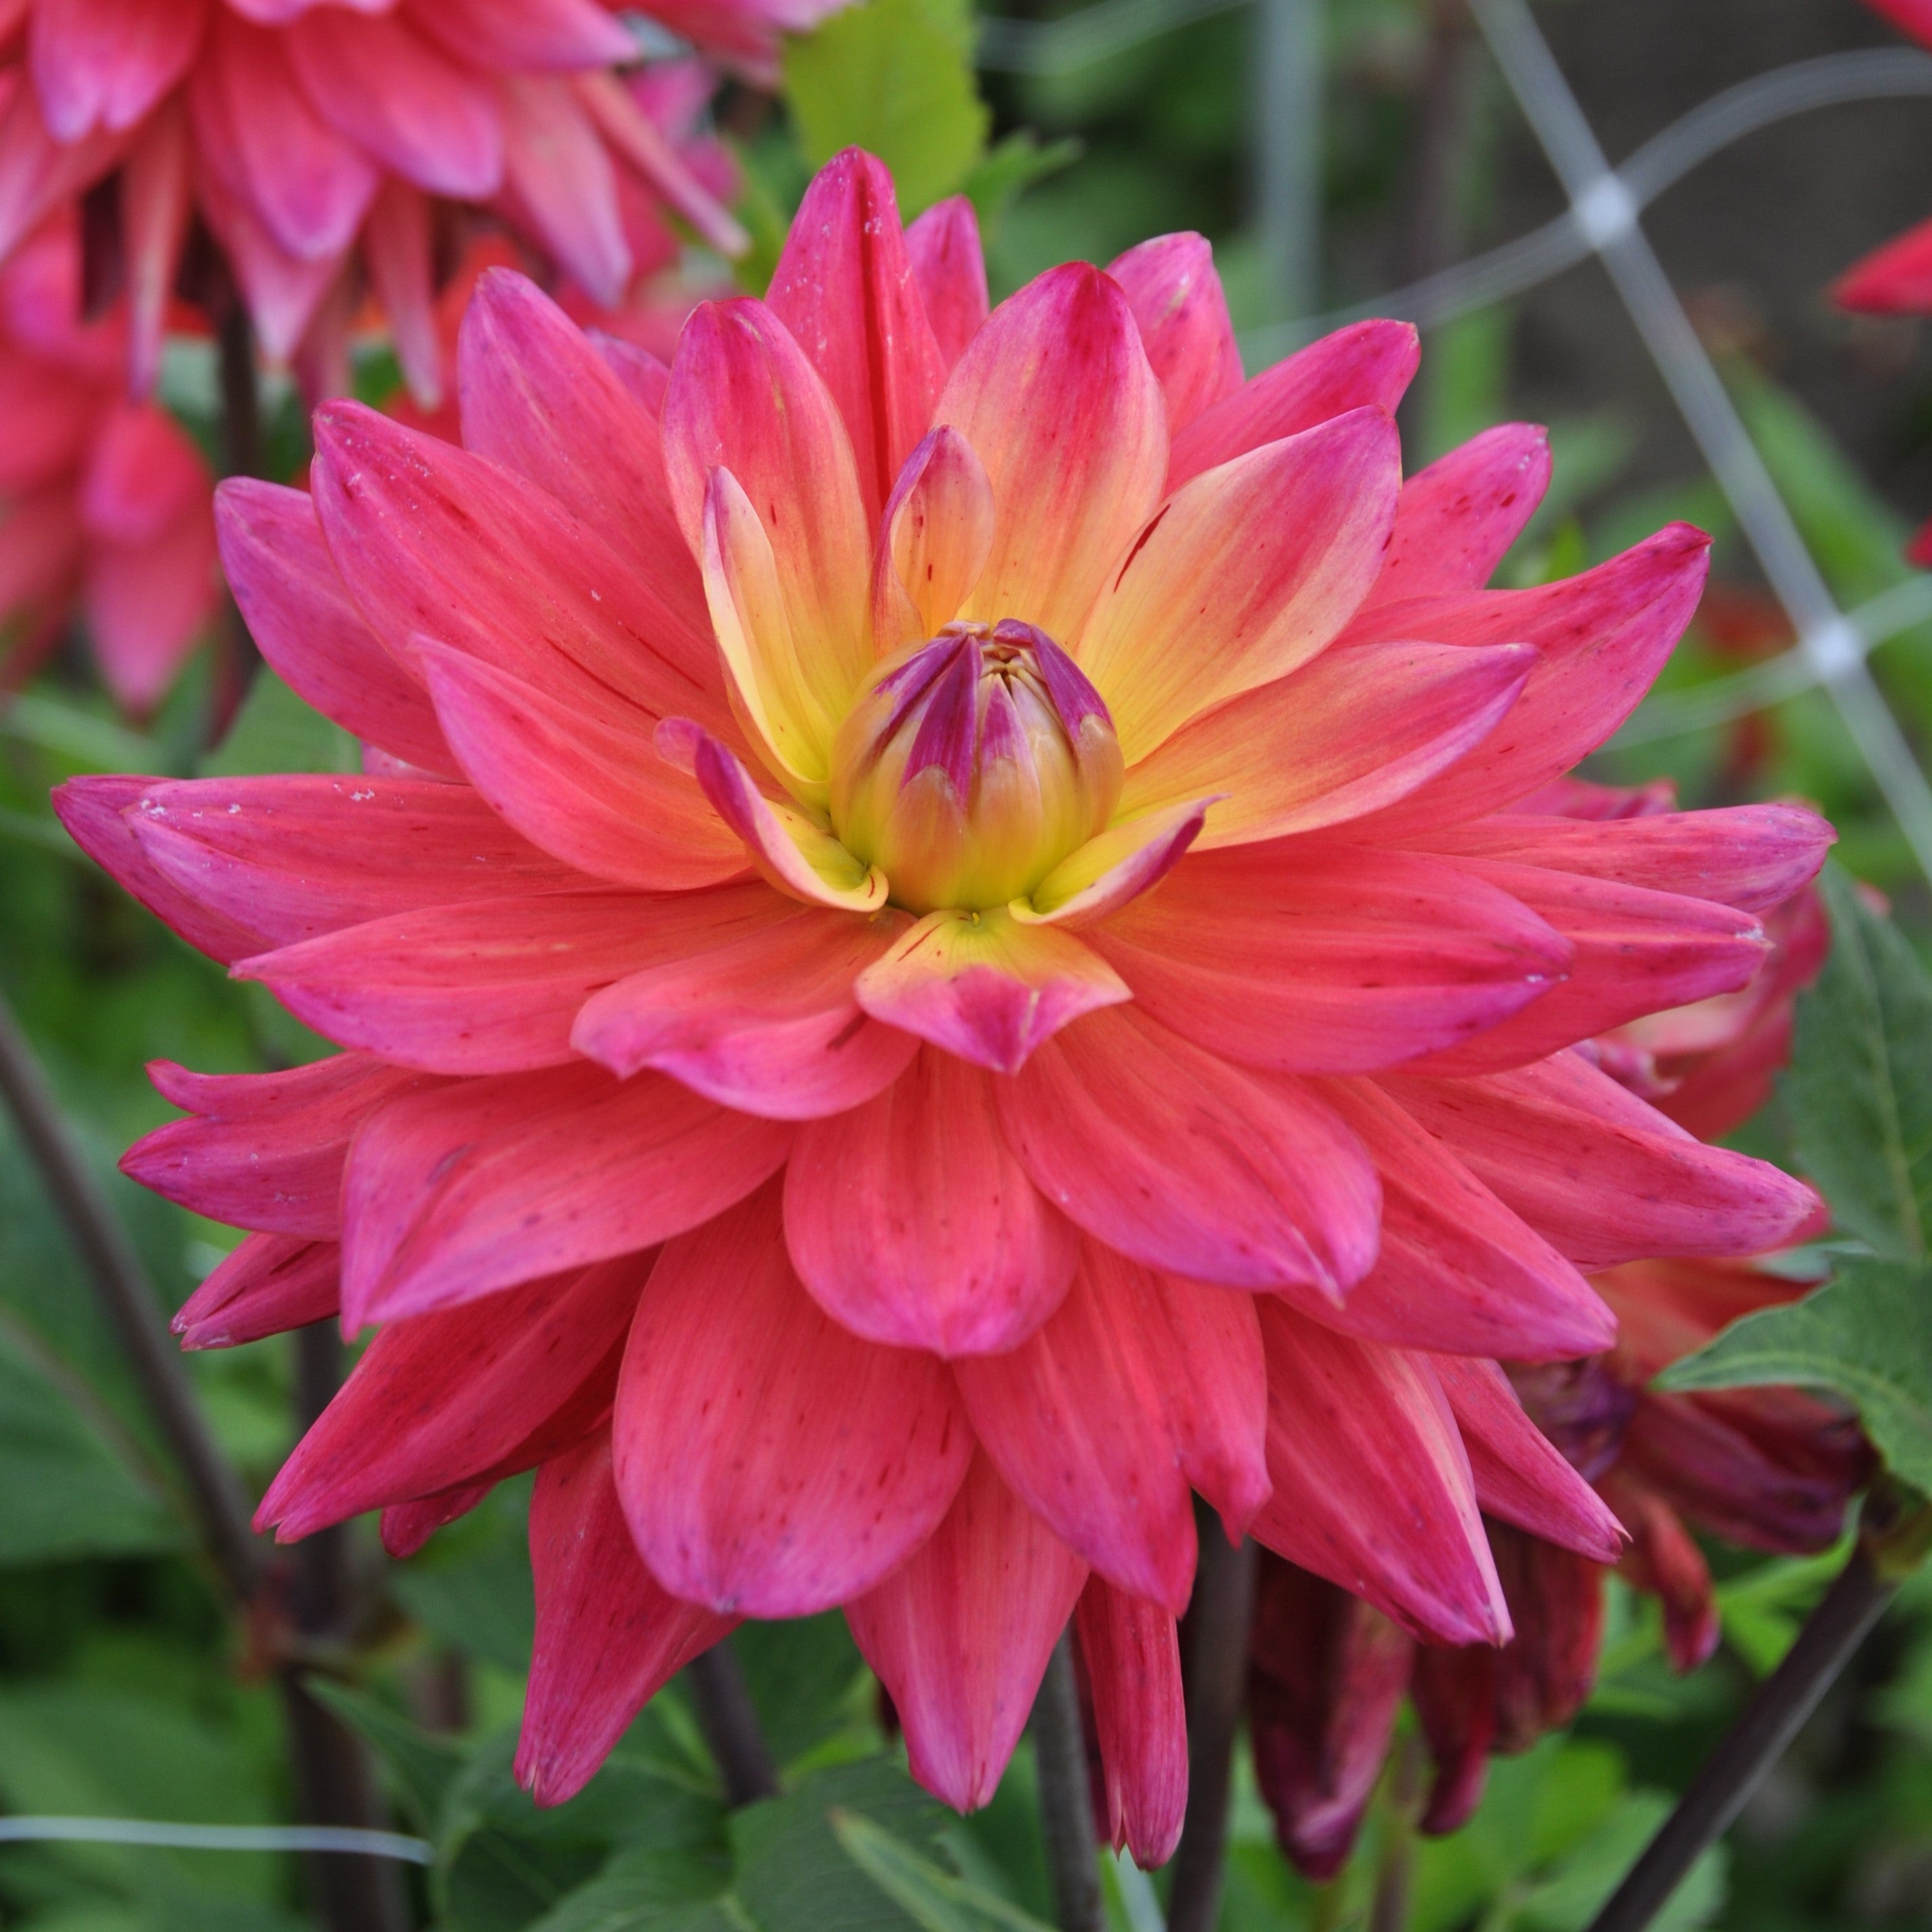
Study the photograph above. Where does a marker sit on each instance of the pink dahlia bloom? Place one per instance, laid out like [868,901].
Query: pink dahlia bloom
[932,959]
[313,137]
[105,505]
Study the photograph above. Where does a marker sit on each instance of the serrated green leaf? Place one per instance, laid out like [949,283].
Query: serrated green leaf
[1859,1089]
[1868,1334]
[275,731]
[934,1899]
[895,78]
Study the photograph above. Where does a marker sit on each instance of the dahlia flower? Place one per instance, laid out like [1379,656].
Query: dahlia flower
[933,955]
[106,505]
[310,136]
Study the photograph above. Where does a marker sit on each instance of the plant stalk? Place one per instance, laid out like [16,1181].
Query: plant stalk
[1219,1617]
[730,1722]
[1066,1800]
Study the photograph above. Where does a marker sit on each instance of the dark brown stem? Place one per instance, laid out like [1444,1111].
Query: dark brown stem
[1066,1804]
[1395,1873]
[729,1720]
[1219,1620]
[215,1493]
[1766,1726]
[335,1780]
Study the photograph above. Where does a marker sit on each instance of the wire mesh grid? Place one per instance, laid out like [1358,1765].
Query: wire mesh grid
[1604,220]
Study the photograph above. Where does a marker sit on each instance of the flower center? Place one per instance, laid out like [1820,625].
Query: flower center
[972,764]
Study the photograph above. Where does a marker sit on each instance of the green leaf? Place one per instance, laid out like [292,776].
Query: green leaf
[649,1892]
[1571,1897]
[423,1766]
[894,77]
[1859,1089]
[936,1901]
[275,731]
[802,1675]
[1008,169]
[1868,1334]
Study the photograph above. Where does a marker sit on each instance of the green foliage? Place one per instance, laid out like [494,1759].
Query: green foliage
[275,731]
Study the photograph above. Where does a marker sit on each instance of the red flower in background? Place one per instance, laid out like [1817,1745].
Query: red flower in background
[105,503]
[935,954]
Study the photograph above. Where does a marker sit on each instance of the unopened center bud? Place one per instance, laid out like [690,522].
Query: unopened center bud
[972,764]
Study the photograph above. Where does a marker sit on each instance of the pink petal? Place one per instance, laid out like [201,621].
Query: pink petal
[608,1635]
[1633,952]
[457,1191]
[770,1462]
[667,173]
[405,1527]
[1603,635]
[266,1149]
[562,184]
[1133,1665]
[106,63]
[985,987]
[1257,564]
[270,1284]
[1893,280]
[398,251]
[383,86]
[1372,1486]
[1172,287]
[157,189]
[517,36]
[1184,1161]
[309,187]
[912,1224]
[296,857]
[1458,1271]
[1075,1418]
[284,291]
[1519,1475]
[1312,957]
[844,287]
[91,808]
[444,1398]
[37,173]
[1366,365]
[761,1017]
[1215,1386]
[493,986]
[960,1634]
[1458,517]
[950,268]
[1751,856]
[1055,396]
[313,637]
[144,474]
[1605,1177]
[744,397]
[147,606]
[937,534]
[578,776]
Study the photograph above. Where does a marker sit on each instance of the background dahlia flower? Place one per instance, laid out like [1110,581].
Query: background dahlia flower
[934,954]
[106,504]
[309,136]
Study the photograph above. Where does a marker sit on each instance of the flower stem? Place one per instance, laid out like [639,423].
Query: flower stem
[730,1721]
[1890,1543]
[1219,1618]
[1066,1804]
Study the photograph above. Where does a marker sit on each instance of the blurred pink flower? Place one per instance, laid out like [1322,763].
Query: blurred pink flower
[933,958]
[105,504]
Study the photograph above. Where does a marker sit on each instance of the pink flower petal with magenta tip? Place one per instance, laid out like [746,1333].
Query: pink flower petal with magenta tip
[1457,518]
[1458,1271]
[771,1463]
[984,986]
[934,539]
[1076,1421]
[1133,1663]
[270,1284]
[1605,1177]
[106,63]
[949,266]
[1360,727]
[767,1022]
[1170,285]
[1244,575]
[910,1222]
[481,1184]
[1366,365]
[960,1635]
[844,286]
[1308,956]
[265,1150]
[1132,857]
[313,637]
[1055,396]
[1372,1485]
[608,1635]
[1519,1474]
[1186,1162]
[442,1399]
